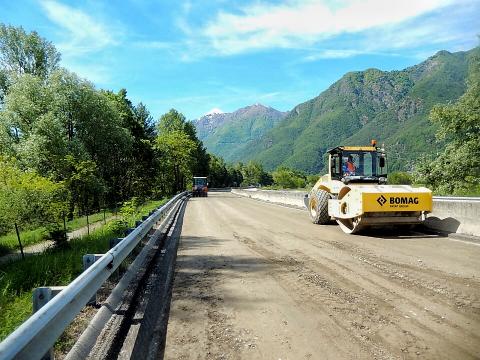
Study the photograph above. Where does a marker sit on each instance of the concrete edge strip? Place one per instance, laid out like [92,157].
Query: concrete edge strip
[465,238]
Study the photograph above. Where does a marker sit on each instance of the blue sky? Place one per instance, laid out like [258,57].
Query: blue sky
[195,56]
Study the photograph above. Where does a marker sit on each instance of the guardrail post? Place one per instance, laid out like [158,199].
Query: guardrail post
[88,261]
[138,223]
[128,231]
[40,297]
[144,217]
[114,242]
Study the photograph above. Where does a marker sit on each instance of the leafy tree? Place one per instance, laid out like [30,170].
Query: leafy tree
[288,179]
[218,174]
[235,174]
[85,186]
[201,162]
[44,121]
[457,169]
[25,53]
[181,153]
[170,122]
[22,53]
[140,163]
[142,116]
[177,149]
[253,174]
[27,198]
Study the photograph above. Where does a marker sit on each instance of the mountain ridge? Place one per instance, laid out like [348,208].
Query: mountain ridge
[224,133]
[391,106]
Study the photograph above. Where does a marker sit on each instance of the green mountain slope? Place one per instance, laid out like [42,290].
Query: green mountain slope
[224,133]
[391,107]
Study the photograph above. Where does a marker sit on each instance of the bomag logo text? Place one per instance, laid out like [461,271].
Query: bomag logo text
[403,200]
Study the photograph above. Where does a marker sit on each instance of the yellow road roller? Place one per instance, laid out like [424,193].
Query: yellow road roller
[356,195]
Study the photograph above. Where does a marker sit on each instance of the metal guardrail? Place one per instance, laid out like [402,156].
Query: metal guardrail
[39,332]
[456,198]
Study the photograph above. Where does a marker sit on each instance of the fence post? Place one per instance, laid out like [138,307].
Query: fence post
[88,225]
[19,241]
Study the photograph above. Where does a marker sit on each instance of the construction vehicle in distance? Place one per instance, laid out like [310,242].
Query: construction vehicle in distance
[356,195]
[200,186]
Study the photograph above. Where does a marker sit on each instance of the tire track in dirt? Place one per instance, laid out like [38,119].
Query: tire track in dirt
[362,313]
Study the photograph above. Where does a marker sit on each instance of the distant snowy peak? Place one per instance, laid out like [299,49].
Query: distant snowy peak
[214,111]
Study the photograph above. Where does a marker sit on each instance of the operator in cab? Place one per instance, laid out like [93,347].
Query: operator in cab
[349,167]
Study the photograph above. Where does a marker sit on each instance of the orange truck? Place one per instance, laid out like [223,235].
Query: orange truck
[200,186]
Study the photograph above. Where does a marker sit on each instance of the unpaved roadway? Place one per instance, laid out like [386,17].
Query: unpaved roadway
[259,281]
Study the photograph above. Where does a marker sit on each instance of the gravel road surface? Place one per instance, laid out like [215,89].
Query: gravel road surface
[259,281]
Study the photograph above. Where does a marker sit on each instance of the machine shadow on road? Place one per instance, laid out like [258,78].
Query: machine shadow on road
[402,233]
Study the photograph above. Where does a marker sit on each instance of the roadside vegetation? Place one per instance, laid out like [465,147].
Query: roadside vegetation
[57,266]
[9,241]
[68,150]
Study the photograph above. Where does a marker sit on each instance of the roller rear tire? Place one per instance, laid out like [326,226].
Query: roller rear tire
[318,207]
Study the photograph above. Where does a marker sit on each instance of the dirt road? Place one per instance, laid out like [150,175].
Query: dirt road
[259,281]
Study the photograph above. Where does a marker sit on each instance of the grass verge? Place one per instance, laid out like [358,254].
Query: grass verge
[54,267]
[9,242]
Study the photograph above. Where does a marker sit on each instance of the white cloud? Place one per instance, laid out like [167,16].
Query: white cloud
[332,54]
[81,32]
[98,74]
[298,24]
[154,45]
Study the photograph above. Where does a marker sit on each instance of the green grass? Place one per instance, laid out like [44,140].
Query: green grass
[148,206]
[54,267]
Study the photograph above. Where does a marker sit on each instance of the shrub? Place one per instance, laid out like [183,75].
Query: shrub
[116,226]
[128,211]
[400,178]
[289,179]
[57,235]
